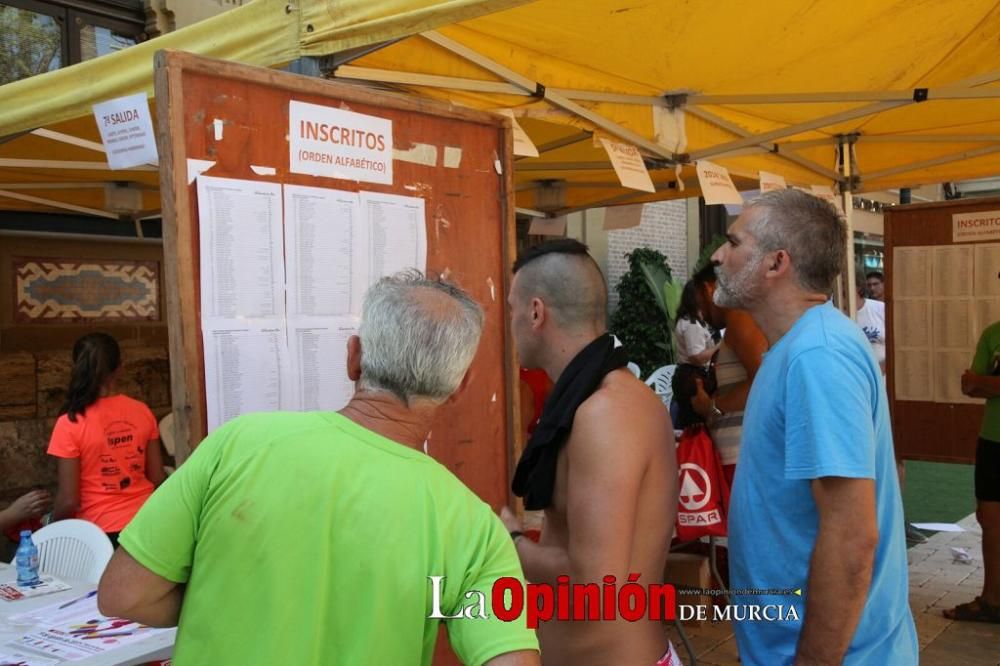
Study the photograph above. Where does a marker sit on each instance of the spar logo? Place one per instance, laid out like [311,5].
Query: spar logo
[695,493]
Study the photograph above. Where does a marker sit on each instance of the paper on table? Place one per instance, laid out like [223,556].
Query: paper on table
[242,271]
[628,165]
[913,373]
[911,272]
[245,368]
[24,659]
[48,585]
[397,233]
[318,350]
[79,631]
[939,527]
[952,271]
[326,251]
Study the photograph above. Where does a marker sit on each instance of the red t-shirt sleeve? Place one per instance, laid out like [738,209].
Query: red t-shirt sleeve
[64,443]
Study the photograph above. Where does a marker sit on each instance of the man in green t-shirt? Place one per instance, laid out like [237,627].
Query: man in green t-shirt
[330,538]
[983,381]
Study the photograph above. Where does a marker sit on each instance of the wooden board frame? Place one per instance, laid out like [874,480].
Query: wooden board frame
[470,235]
[922,430]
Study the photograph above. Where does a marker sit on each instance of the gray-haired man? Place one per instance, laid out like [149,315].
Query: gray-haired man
[312,538]
[815,504]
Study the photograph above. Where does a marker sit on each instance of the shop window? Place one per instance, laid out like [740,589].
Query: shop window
[38,36]
[31,42]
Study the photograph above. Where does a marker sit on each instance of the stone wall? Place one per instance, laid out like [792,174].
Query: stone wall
[32,391]
[663,228]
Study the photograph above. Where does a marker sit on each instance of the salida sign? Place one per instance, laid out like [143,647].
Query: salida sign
[127,131]
[335,143]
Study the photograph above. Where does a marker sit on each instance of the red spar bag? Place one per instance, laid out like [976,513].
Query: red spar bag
[704,494]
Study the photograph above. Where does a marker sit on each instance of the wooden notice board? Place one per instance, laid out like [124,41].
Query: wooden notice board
[934,427]
[458,161]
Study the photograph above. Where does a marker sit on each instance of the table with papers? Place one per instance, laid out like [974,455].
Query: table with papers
[65,628]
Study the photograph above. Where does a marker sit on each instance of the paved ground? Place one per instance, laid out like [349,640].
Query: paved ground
[937,581]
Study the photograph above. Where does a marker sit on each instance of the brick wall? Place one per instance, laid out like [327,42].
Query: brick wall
[32,389]
[663,228]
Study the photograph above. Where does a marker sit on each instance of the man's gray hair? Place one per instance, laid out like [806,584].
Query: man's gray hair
[418,337]
[808,228]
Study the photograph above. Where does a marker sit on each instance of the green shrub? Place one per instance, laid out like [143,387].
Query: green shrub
[639,322]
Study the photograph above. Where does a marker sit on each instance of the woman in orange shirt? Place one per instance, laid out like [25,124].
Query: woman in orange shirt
[107,444]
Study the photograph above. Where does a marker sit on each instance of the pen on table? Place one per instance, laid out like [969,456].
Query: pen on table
[117,633]
[86,596]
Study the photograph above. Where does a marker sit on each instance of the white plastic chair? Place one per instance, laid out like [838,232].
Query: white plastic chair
[73,548]
[661,383]
[634,369]
[168,437]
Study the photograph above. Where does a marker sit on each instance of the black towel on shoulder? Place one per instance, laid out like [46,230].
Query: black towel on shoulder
[535,477]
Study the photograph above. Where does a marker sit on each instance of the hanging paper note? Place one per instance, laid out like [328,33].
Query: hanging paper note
[627,162]
[716,185]
[669,128]
[622,217]
[771,181]
[126,131]
[541,226]
[523,145]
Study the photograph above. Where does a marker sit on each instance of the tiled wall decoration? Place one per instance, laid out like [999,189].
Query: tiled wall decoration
[53,290]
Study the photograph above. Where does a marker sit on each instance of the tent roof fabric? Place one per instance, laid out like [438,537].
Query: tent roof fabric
[770,87]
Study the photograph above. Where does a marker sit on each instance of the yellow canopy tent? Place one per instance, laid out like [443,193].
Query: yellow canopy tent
[910,87]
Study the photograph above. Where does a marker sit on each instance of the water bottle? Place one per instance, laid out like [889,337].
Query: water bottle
[27,560]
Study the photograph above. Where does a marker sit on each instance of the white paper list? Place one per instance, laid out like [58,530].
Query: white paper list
[242,270]
[318,347]
[326,251]
[245,368]
[397,233]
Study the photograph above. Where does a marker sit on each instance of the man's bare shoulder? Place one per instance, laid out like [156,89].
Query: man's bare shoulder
[622,401]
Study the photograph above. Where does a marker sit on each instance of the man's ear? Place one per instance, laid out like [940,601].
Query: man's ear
[538,313]
[780,264]
[354,358]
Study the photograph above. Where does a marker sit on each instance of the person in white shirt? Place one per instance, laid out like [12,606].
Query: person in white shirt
[871,319]
[695,342]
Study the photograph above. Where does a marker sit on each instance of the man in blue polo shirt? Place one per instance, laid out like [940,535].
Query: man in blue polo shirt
[815,503]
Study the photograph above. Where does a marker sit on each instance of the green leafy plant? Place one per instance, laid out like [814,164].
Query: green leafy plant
[706,252]
[647,295]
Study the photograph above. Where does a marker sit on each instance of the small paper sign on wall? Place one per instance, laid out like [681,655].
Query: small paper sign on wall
[523,145]
[629,167]
[542,226]
[771,181]
[716,185]
[127,131]
[984,225]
